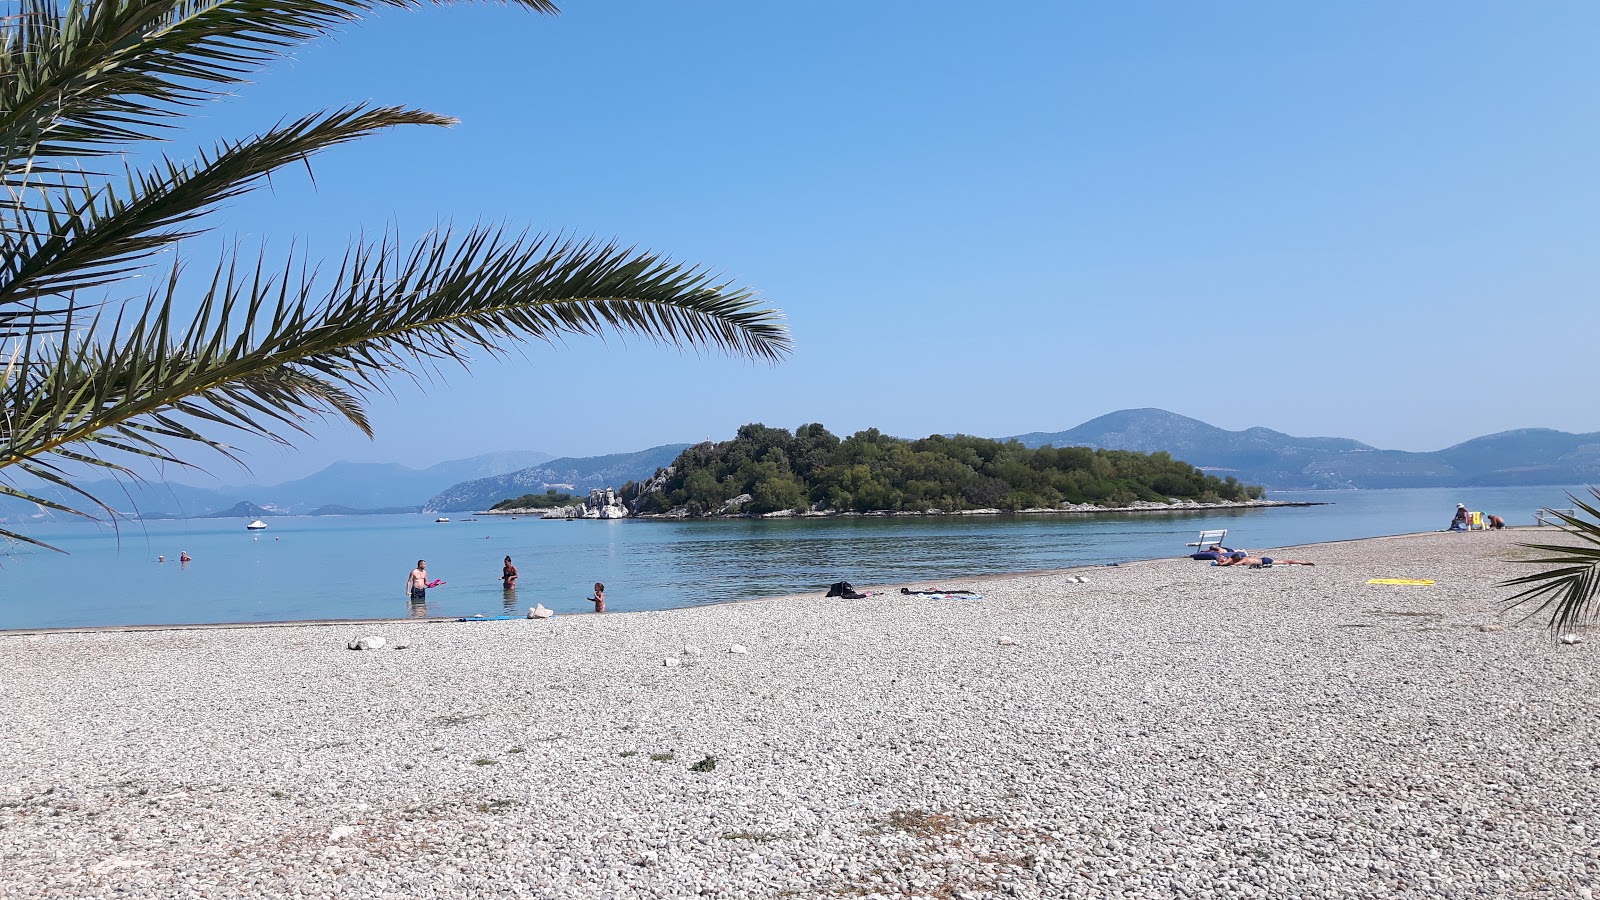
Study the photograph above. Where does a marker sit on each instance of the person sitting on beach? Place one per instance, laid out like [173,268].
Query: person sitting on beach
[1496,523]
[1240,558]
[1459,523]
[599,598]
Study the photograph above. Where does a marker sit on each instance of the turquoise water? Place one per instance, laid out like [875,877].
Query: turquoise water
[355,567]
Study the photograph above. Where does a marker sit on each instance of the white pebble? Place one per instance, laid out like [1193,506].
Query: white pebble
[738,648]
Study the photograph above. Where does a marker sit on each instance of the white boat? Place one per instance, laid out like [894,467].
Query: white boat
[441,519]
[257,525]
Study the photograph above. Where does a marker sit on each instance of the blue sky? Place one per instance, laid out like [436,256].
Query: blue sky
[1370,220]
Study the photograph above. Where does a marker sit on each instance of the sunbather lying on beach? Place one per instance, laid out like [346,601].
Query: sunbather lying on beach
[1239,558]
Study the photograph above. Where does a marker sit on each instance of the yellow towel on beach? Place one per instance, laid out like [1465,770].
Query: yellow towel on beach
[1400,581]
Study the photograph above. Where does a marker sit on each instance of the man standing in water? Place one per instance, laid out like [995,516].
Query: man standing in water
[417,583]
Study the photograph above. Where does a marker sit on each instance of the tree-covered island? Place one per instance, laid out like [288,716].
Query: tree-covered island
[548,500]
[812,469]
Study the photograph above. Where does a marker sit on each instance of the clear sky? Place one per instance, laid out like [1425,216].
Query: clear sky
[1370,220]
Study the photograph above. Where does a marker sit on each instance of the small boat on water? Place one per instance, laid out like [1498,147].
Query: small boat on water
[441,519]
[256,525]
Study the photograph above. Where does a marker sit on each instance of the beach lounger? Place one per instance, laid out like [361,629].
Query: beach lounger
[1207,538]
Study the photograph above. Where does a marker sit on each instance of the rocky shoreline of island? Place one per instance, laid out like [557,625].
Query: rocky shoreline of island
[605,503]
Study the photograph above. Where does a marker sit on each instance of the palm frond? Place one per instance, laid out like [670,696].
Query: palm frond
[1568,591]
[88,77]
[270,351]
[103,234]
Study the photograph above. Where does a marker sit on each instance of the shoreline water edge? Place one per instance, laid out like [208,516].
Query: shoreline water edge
[1161,728]
[604,503]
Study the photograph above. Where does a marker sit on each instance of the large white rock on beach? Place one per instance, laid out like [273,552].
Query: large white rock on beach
[540,611]
[369,642]
[738,648]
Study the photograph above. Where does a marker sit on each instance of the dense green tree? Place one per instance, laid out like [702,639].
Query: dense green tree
[100,372]
[548,499]
[870,471]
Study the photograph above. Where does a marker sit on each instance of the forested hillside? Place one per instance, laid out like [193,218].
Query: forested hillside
[870,471]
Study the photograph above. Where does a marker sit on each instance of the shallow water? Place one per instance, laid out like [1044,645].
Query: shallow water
[355,567]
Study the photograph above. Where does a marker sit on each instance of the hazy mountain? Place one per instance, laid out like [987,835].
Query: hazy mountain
[335,509]
[378,485]
[241,510]
[1277,460]
[357,487]
[1150,430]
[577,475]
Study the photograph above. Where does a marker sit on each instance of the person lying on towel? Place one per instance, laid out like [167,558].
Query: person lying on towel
[1240,558]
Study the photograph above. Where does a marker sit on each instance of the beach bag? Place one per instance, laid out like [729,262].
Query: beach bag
[843,589]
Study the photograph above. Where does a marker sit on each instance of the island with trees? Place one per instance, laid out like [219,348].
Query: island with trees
[550,499]
[772,471]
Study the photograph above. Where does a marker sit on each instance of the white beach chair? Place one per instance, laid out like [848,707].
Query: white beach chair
[1207,538]
[1546,516]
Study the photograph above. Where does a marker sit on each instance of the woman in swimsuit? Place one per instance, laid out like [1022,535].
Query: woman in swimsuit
[508,574]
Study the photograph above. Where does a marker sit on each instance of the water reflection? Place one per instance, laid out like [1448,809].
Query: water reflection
[508,599]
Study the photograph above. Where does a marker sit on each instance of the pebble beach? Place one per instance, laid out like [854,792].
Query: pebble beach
[1156,729]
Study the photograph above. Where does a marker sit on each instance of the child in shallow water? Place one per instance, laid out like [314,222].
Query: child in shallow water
[599,598]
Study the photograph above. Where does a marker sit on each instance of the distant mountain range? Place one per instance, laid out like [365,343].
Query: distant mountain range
[349,488]
[574,475]
[1277,460]
[1254,456]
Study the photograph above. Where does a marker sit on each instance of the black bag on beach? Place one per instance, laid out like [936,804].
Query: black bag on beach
[843,589]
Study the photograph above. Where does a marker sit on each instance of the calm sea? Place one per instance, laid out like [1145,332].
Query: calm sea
[355,567]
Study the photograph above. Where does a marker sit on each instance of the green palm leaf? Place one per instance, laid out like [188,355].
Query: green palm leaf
[269,352]
[103,233]
[88,78]
[1568,591]
[98,384]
